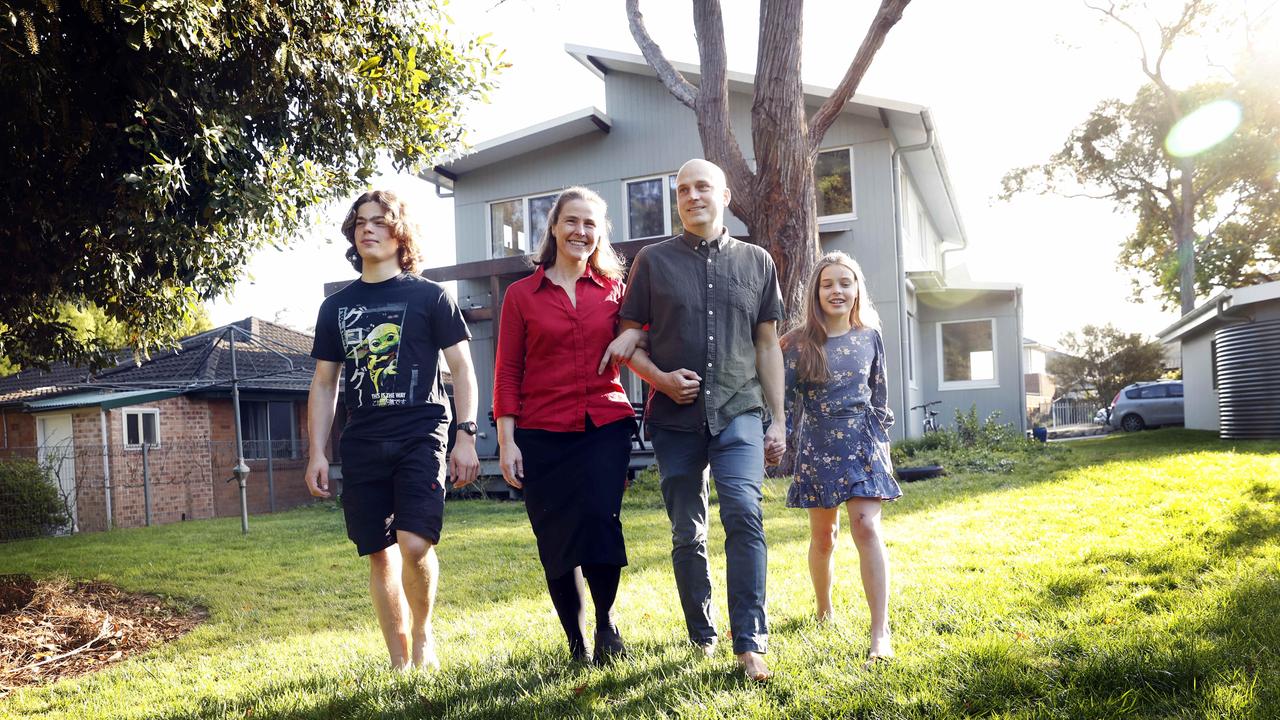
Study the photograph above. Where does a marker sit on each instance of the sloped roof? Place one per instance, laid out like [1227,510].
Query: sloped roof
[38,383]
[268,357]
[1225,307]
[909,123]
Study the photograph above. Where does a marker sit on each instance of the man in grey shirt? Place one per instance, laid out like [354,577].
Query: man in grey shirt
[712,305]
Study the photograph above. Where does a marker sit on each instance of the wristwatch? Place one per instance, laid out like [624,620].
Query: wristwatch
[469,427]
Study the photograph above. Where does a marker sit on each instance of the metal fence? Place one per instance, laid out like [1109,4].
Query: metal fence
[1072,412]
[61,489]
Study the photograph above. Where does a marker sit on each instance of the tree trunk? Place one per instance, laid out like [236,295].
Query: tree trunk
[1184,232]
[786,219]
[778,201]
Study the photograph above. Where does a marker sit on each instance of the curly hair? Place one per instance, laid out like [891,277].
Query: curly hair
[403,230]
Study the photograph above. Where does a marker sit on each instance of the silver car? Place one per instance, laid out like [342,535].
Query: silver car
[1147,404]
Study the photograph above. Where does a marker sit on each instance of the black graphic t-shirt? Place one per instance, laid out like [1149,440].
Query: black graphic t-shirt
[388,336]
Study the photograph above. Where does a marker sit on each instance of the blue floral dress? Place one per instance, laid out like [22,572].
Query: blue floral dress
[838,428]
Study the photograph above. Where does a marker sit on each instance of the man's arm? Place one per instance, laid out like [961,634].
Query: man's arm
[464,465]
[679,385]
[320,408]
[630,337]
[769,369]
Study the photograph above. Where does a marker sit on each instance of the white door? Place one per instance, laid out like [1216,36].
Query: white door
[57,451]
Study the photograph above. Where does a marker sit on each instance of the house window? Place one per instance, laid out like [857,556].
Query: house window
[652,210]
[516,226]
[967,354]
[141,426]
[268,428]
[833,178]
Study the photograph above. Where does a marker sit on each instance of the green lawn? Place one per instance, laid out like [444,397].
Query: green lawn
[1132,576]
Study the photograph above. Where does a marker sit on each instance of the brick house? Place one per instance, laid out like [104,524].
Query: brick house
[154,442]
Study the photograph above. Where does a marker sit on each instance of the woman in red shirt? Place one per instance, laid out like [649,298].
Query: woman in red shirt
[564,429]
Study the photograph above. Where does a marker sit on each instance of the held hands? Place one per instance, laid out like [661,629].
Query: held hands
[775,443]
[317,476]
[464,465]
[679,385]
[512,463]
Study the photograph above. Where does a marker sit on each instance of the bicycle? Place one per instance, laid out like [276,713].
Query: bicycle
[930,416]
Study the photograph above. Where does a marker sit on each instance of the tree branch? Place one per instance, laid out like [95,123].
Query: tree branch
[887,16]
[682,89]
[715,126]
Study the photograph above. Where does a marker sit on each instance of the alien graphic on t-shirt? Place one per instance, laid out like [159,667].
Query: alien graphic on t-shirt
[381,360]
[372,336]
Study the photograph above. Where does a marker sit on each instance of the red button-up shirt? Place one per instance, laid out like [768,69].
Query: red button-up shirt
[548,352]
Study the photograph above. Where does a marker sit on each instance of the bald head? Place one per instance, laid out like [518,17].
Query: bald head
[702,194]
[703,167]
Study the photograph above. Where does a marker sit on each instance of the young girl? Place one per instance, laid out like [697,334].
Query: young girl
[838,412]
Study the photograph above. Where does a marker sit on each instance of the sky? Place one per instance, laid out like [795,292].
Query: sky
[1006,81]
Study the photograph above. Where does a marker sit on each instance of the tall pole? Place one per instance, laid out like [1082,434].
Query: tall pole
[241,470]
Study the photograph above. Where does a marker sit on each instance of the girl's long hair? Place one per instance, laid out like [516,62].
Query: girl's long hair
[811,337]
[604,259]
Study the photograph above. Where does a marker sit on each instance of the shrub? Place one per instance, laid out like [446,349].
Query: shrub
[30,503]
[986,445]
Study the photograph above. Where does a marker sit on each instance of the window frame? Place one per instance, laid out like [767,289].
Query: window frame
[668,180]
[853,182]
[142,433]
[528,220]
[256,444]
[944,385]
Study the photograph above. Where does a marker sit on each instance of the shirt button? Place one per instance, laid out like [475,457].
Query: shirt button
[711,312]
[711,337]
[708,392]
[708,364]
[710,285]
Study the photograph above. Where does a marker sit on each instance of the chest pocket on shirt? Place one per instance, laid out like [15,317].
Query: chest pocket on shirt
[744,295]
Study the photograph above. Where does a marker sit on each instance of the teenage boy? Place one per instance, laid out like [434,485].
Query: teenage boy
[384,334]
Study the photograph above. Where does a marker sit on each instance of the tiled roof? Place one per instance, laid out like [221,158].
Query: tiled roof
[265,352]
[29,384]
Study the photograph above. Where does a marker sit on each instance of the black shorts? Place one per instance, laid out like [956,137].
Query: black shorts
[389,486]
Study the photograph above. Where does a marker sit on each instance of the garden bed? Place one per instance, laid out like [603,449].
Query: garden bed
[50,629]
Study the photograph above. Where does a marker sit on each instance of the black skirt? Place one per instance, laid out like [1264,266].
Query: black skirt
[573,485]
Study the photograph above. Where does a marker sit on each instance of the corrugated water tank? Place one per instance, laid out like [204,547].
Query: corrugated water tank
[1247,366]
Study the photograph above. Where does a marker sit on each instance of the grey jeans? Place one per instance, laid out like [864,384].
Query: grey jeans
[736,458]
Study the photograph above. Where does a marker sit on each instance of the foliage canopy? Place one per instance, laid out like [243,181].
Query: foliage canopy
[1099,361]
[151,148]
[1202,223]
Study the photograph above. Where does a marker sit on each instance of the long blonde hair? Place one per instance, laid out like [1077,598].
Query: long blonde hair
[604,259]
[811,336]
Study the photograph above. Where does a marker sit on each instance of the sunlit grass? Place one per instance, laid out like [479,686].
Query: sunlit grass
[1133,576]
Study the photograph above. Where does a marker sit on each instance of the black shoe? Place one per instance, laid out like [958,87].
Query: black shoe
[609,645]
[578,653]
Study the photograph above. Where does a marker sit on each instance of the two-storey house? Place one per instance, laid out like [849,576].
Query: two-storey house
[885,198]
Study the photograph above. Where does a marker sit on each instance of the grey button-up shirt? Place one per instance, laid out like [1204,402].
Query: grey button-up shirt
[702,300]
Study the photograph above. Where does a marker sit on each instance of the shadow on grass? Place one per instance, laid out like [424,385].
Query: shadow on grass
[1213,657]
[658,679]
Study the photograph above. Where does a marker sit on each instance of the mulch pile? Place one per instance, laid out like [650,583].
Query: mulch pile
[51,629]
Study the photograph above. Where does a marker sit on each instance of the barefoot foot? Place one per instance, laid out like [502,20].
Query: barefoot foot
[754,667]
